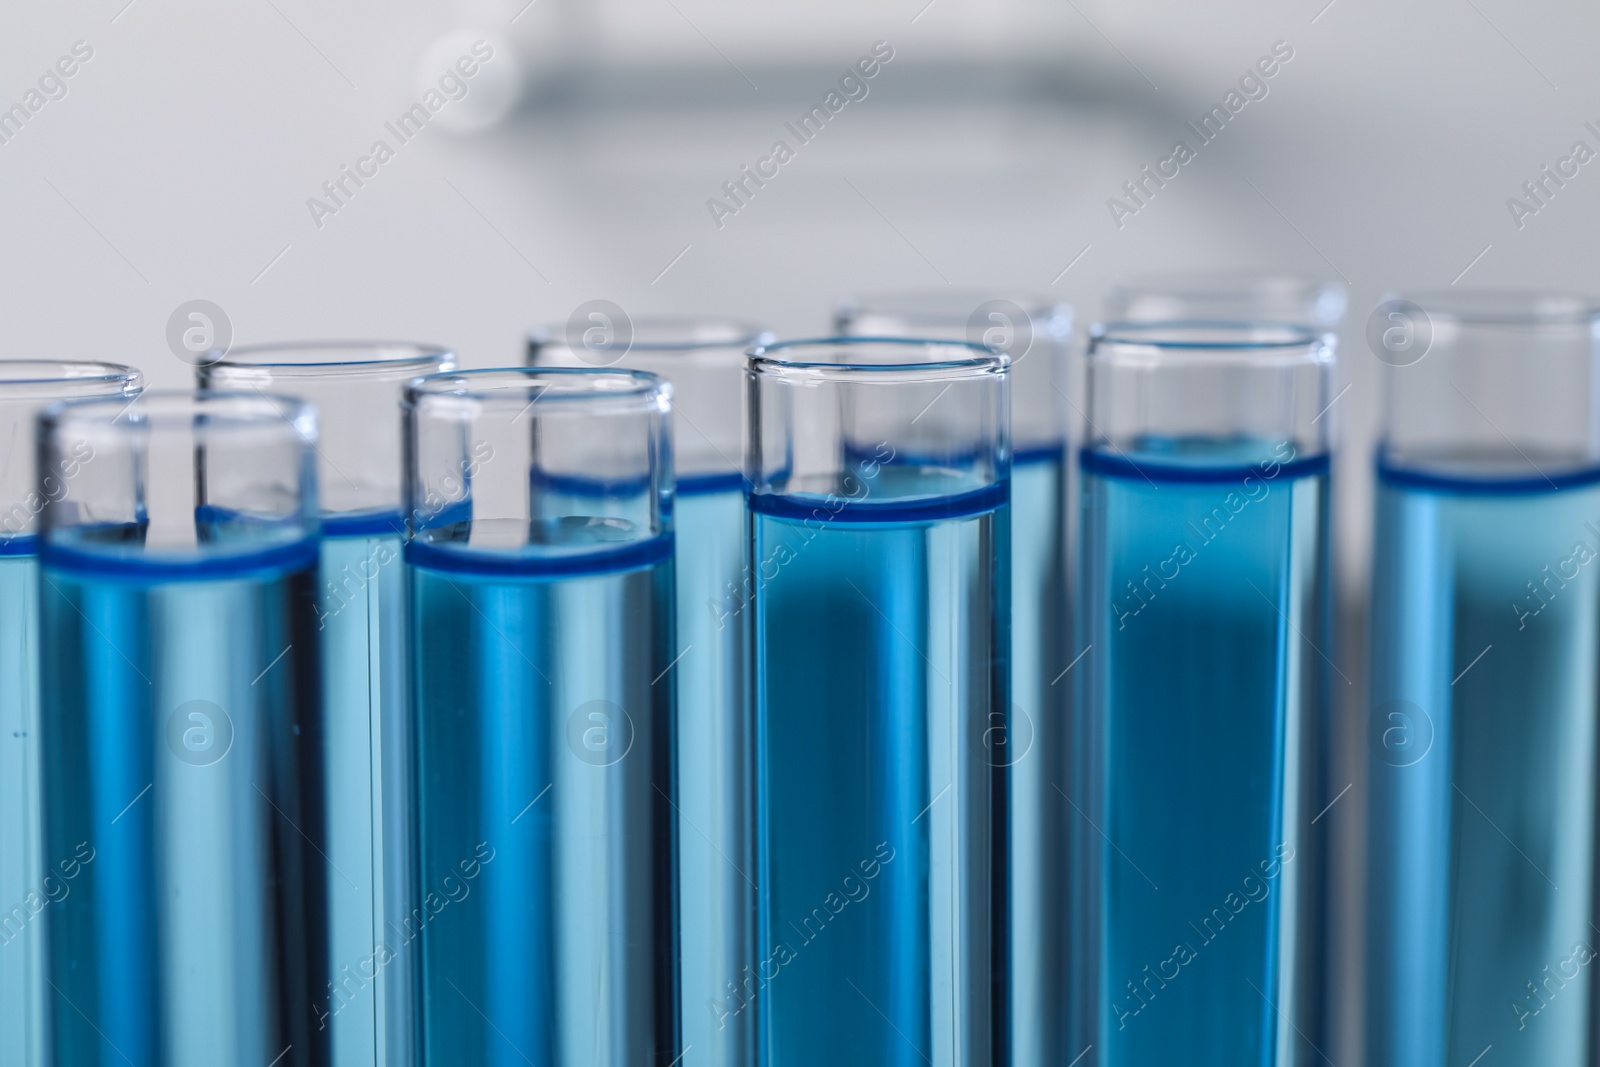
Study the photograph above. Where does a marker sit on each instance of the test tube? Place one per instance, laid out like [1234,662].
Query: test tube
[366,839]
[703,359]
[540,550]
[879,600]
[1226,295]
[29,880]
[1481,844]
[181,734]
[1205,597]
[1036,335]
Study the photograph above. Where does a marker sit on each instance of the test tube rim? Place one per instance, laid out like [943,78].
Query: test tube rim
[743,335]
[407,355]
[103,379]
[1219,283]
[981,361]
[648,393]
[1039,309]
[1512,307]
[1139,343]
[235,408]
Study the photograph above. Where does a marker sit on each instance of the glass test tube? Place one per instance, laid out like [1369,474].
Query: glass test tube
[1205,596]
[703,359]
[1486,609]
[540,505]
[1241,296]
[1226,295]
[29,881]
[180,680]
[366,839]
[1035,335]
[879,600]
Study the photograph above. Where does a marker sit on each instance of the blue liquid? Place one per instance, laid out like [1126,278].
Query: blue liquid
[1482,773]
[881,660]
[1036,754]
[180,758]
[1204,594]
[717,868]
[23,896]
[367,768]
[546,833]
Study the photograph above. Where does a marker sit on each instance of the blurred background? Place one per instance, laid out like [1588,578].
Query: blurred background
[201,151]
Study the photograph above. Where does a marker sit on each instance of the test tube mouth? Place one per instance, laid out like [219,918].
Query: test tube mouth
[1229,284]
[308,358]
[597,388]
[889,359]
[935,308]
[173,409]
[1243,341]
[673,334]
[42,379]
[1504,307]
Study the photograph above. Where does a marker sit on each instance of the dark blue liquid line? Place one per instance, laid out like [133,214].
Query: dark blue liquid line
[697,484]
[1414,478]
[363,524]
[19,545]
[1038,454]
[295,556]
[803,506]
[607,559]
[1111,465]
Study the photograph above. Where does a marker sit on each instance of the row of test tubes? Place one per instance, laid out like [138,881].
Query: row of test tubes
[937,692]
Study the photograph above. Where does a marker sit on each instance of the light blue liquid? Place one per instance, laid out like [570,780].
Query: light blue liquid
[1480,905]
[544,772]
[361,621]
[716,862]
[1204,593]
[23,895]
[181,757]
[881,638]
[1036,753]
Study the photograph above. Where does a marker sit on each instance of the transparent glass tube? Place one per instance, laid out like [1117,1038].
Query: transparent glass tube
[28,880]
[540,513]
[878,599]
[180,669]
[1482,754]
[1037,336]
[366,839]
[703,359]
[1225,295]
[1204,594]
